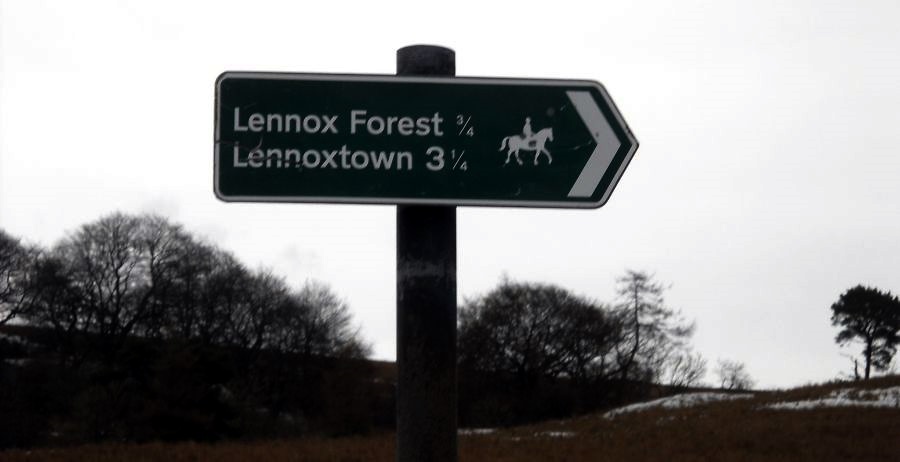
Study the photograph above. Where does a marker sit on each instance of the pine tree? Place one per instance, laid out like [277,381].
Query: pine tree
[872,317]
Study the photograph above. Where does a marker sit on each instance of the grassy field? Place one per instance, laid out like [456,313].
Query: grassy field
[735,430]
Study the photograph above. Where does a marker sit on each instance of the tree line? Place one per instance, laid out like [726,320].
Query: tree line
[150,332]
[145,331]
[531,351]
[126,276]
[534,330]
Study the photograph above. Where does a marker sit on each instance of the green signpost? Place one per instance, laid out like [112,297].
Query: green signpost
[417,140]
[427,142]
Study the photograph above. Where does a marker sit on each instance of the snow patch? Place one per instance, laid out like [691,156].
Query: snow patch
[557,434]
[847,397]
[476,431]
[490,431]
[678,401]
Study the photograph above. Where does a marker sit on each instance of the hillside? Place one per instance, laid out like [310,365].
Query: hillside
[171,390]
[839,421]
[831,422]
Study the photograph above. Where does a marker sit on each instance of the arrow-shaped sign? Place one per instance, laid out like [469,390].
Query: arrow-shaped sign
[417,140]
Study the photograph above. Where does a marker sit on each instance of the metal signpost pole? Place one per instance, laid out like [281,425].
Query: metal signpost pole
[426,307]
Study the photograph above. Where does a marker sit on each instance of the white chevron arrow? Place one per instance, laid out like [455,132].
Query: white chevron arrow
[607,144]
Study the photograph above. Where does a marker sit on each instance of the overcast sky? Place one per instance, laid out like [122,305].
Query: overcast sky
[767,181]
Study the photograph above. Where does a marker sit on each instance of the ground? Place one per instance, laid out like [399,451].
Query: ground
[832,422]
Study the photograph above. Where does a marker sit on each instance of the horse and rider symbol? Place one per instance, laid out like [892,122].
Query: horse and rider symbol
[528,141]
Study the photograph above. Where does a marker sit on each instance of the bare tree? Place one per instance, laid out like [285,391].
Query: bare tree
[733,375]
[255,317]
[685,369]
[195,287]
[222,296]
[126,275]
[651,332]
[516,330]
[16,287]
[59,306]
[535,330]
[323,324]
[117,270]
[590,339]
[107,270]
[170,264]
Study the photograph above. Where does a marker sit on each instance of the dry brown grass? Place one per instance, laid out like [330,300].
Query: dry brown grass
[725,431]
[312,450]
